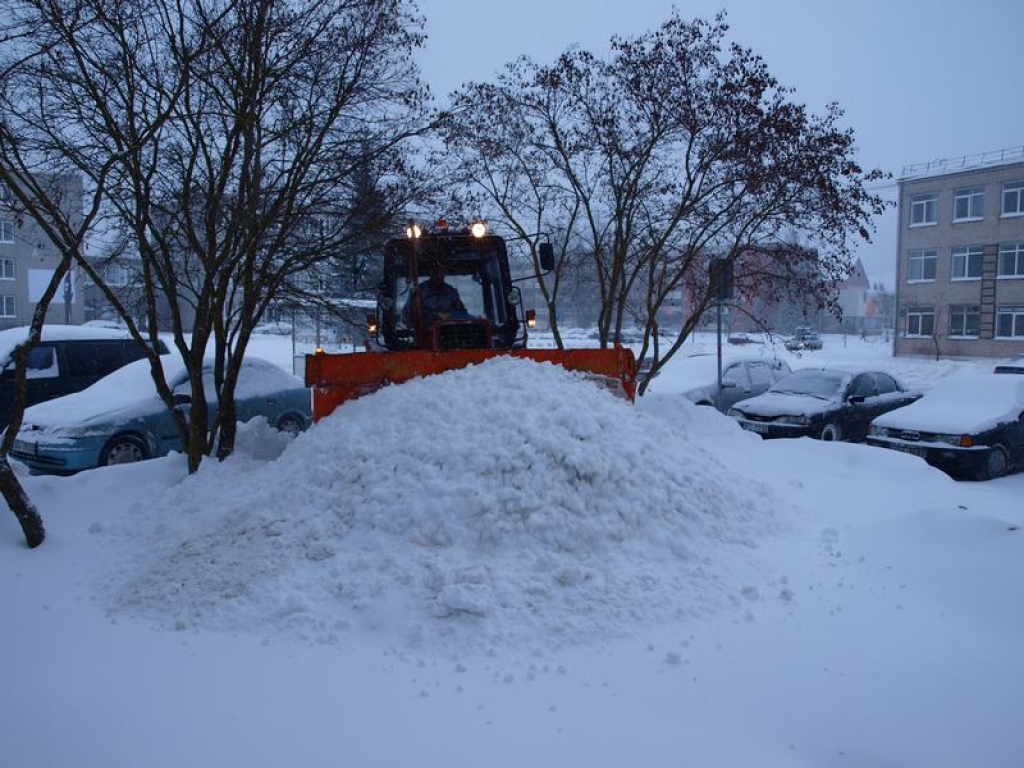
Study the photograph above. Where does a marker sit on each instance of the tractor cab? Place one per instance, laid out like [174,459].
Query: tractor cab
[444,290]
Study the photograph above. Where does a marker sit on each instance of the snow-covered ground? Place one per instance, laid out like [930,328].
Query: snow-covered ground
[506,566]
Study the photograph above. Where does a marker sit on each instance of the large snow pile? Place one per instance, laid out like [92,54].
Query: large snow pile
[510,502]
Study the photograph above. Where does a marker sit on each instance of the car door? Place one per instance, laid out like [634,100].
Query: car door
[761,376]
[1015,440]
[859,405]
[43,379]
[735,385]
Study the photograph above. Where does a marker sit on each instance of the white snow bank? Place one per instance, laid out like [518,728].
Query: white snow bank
[510,502]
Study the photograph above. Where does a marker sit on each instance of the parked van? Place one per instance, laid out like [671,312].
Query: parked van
[67,359]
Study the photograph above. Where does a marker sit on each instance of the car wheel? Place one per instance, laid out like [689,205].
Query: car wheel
[291,424]
[123,449]
[831,432]
[995,464]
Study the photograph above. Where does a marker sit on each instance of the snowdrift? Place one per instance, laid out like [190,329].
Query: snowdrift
[509,502]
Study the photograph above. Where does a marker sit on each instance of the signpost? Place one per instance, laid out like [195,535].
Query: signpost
[720,277]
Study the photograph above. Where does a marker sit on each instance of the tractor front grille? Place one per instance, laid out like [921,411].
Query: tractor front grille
[463,334]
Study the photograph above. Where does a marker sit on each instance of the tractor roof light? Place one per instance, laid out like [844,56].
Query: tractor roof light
[479,229]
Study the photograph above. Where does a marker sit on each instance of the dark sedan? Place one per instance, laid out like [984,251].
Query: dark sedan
[824,403]
[970,426]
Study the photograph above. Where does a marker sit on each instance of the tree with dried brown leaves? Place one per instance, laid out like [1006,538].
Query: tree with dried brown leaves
[676,149]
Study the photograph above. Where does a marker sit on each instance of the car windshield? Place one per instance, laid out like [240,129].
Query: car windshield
[823,384]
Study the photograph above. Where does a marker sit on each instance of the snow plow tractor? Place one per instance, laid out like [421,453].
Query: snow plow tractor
[447,300]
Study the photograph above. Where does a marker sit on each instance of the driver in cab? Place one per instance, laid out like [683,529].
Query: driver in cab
[438,299]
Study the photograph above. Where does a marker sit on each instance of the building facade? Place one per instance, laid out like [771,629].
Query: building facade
[28,259]
[960,271]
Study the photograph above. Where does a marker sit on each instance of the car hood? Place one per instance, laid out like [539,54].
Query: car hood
[966,405]
[127,393]
[785,404]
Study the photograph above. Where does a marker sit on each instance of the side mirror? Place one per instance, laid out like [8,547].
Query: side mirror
[181,399]
[728,385]
[855,399]
[546,252]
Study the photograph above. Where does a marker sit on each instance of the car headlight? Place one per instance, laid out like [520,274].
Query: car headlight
[876,431]
[734,413]
[794,421]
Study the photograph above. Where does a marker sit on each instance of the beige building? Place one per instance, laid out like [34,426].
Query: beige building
[28,259]
[960,274]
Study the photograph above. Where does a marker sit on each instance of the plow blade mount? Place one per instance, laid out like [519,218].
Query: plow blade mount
[335,379]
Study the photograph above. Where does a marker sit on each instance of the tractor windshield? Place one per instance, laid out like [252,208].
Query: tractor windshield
[450,278]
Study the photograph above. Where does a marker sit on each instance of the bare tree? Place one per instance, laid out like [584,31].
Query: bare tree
[38,191]
[676,149]
[236,128]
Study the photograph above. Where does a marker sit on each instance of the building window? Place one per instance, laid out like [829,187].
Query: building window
[118,275]
[924,209]
[967,261]
[5,194]
[1013,198]
[6,231]
[921,265]
[921,321]
[7,306]
[1011,260]
[6,269]
[1010,323]
[969,204]
[964,322]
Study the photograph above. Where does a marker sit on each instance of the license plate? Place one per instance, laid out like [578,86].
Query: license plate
[754,426]
[913,450]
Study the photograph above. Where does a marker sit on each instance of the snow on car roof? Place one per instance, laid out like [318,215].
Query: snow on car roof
[682,374]
[13,337]
[129,391]
[962,405]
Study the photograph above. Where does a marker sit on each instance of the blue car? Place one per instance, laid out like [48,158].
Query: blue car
[121,419]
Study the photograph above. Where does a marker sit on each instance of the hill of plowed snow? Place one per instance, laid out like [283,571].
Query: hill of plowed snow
[510,502]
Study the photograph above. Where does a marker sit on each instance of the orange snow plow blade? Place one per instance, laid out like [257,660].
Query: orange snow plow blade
[335,379]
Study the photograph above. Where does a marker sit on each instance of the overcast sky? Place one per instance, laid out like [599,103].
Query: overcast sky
[919,80]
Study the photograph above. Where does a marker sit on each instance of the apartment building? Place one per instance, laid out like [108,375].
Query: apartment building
[28,259]
[960,273]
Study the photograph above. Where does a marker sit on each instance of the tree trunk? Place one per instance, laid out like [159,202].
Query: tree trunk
[21,505]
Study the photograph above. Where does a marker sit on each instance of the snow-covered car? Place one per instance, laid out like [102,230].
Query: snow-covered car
[825,403]
[121,419]
[1013,365]
[970,426]
[804,338]
[696,377]
[67,358]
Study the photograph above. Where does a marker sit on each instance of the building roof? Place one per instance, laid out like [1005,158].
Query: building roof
[950,165]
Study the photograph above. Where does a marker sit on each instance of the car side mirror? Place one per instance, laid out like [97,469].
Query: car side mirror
[181,399]
[855,399]
[728,385]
